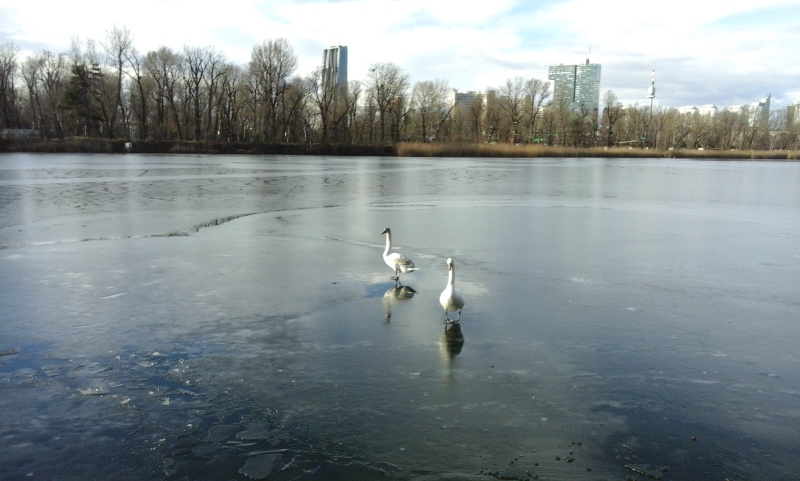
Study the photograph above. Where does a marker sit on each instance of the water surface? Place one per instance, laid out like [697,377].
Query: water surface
[231,317]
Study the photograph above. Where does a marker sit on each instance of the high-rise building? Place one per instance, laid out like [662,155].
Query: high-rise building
[467,100]
[576,85]
[793,114]
[334,66]
[759,111]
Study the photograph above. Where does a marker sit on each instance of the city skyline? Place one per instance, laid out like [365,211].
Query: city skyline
[722,53]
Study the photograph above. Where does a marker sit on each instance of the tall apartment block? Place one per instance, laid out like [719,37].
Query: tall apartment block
[576,85]
[334,66]
[759,111]
[793,112]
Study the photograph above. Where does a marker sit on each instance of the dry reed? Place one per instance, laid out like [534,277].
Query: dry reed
[409,149]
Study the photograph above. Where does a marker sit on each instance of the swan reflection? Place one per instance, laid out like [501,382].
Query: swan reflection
[395,294]
[400,292]
[452,340]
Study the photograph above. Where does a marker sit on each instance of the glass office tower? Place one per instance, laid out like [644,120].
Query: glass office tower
[576,85]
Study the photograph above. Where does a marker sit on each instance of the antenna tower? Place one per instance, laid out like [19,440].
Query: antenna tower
[651,90]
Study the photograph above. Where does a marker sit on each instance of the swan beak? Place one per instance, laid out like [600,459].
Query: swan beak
[385,231]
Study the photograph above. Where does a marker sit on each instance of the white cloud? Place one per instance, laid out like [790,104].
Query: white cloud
[705,52]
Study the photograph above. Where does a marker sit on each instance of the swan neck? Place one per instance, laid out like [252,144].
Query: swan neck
[388,244]
[451,276]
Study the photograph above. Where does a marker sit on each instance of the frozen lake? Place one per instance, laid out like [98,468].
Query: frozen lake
[231,317]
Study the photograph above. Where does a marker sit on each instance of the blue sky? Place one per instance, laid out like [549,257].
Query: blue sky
[705,52]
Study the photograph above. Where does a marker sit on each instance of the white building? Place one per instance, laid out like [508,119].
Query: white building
[794,114]
[707,110]
[756,112]
[736,109]
[759,111]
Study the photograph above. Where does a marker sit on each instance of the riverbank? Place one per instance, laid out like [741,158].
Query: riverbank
[532,151]
[105,146]
[404,149]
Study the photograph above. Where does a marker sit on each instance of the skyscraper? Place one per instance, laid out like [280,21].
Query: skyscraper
[759,111]
[576,85]
[334,66]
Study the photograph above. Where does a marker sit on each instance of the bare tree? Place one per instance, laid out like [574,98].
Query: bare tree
[333,104]
[53,78]
[271,65]
[165,68]
[31,71]
[494,119]
[537,92]
[9,103]
[215,69]
[231,104]
[355,127]
[511,99]
[196,65]
[477,109]
[612,113]
[294,105]
[143,86]
[323,96]
[386,88]
[119,42]
[432,103]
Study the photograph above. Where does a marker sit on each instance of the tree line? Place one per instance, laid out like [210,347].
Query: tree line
[109,89]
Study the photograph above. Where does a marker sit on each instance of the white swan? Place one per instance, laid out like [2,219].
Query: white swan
[398,262]
[451,298]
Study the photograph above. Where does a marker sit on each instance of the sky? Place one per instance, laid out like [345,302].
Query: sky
[721,52]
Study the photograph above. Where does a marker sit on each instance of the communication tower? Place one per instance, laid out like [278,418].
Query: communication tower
[651,90]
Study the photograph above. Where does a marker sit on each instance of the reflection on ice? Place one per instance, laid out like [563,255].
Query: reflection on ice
[452,340]
[394,294]
[400,293]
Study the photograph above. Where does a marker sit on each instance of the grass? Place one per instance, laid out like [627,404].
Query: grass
[528,151]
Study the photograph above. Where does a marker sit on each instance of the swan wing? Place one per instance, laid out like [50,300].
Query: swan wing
[400,262]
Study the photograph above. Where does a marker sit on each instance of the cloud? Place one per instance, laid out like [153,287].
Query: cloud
[720,52]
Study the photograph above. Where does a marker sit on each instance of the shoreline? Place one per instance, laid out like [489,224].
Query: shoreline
[403,149]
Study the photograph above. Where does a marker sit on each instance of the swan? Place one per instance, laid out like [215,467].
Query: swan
[398,262]
[451,298]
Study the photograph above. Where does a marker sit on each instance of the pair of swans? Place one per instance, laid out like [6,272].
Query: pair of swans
[451,298]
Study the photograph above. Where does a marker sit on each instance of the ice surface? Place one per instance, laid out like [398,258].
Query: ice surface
[231,317]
